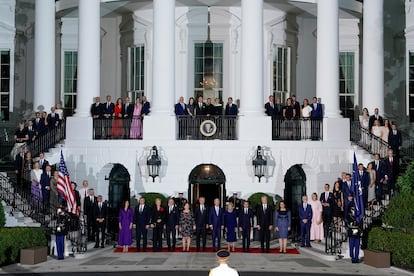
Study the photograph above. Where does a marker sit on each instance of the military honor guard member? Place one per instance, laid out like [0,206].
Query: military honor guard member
[223,269]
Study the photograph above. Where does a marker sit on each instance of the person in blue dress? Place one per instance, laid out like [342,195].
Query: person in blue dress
[230,224]
[282,221]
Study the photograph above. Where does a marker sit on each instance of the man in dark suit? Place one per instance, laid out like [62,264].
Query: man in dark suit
[316,118]
[364,179]
[31,131]
[348,193]
[305,218]
[296,106]
[201,223]
[171,226]
[142,216]
[278,109]
[39,124]
[327,200]
[391,170]
[97,109]
[264,213]
[375,117]
[180,108]
[146,106]
[378,165]
[100,213]
[231,108]
[108,109]
[200,107]
[395,140]
[45,183]
[127,114]
[89,206]
[245,225]
[216,222]
[270,107]
[18,168]
[42,161]
[210,109]
[53,119]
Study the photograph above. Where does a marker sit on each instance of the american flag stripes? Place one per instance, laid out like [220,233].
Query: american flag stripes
[65,188]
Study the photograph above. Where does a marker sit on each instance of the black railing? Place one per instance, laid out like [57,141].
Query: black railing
[206,128]
[47,139]
[302,129]
[335,235]
[371,143]
[118,128]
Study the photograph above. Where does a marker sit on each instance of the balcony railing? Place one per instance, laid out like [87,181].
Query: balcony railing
[366,140]
[206,128]
[118,128]
[47,139]
[302,129]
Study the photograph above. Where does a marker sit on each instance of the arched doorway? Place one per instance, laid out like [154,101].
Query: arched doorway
[295,187]
[206,180]
[118,192]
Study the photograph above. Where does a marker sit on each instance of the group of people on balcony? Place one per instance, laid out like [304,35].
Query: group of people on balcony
[120,120]
[201,108]
[378,134]
[286,118]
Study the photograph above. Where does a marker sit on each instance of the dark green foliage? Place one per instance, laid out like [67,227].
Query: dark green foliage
[2,216]
[15,238]
[405,182]
[150,198]
[401,245]
[255,199]
[400,212]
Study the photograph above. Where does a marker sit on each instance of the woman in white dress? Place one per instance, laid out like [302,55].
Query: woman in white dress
[364,123]
[305,124]
[371,186]
[376,141]
[384,137]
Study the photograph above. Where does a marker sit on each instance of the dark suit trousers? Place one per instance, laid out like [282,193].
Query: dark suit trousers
[264,234]
[305,233]
[216,235]
[91,226]
[171,231]
[327,219]
[141,231]
[378,190]
[201,234]
[246,237]
[100,229]
[157,237]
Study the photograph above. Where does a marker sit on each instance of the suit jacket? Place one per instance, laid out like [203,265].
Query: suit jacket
[391,170]
[88,206]
[231,110]
[264,219]
[179,110]
[53,120]
[305,214]
[39,126]
[32,133]
[372,119]
[146,106]
[100,213]
[210,109]
[278,111]
[380,170]
[77,198]
[201,219]
[200,111]
[172,218]
[128,111]
[214,219]
[158,217]
[245,220]
[269,110]
[45,182]
[144,218]
[317,113]
[108,109]
[329,200]
[364,179]
[394,140]
[18,163]
[97,110]
[296,107]
[44,164]
[346,190]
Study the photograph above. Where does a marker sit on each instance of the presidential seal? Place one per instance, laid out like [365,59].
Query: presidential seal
[208,128]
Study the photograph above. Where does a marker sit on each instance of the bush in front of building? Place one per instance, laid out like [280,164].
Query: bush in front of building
[256,199]
[13,239]
[150,198]
[2,216]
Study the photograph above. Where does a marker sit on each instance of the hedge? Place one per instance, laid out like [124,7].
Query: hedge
[12,239]
[255,199]
[150,198]
[400,245]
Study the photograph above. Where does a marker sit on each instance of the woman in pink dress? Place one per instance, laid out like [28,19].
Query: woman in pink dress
[136,124]
[117,130]
[316,232]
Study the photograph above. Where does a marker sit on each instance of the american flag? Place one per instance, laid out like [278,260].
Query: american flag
[65,188]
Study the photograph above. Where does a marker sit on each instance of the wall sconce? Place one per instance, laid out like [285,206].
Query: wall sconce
[259,163]
[153,163]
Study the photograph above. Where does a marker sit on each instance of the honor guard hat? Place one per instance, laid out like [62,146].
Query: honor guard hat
[223,254]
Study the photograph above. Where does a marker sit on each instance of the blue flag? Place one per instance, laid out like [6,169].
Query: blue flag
[357,192]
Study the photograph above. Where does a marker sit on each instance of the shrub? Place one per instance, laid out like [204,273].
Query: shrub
[405,182]
[255,199]
[150,198]
[2,216]
[399,213]
[15,238]
[400,245]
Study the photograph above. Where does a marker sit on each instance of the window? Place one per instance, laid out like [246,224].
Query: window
[208,70]
[347,84]
[136,72]
[4,84]
[411,86]
[70,81]
[281,74]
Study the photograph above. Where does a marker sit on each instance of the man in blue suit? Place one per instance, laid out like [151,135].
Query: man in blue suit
[216,222]
[245,225]
[348,194]
[364,179]
[305,218]
[379,167]
[146,106]
[142,215]
[270,107]
[231,108]
[171,226]
[180,108]
[201,223]
[45,183]
[264,213]
[316,118]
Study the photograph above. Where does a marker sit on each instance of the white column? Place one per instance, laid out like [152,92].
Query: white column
[251,101]
[44,60]
[327,57]
[163,57]
[373,56]
[89,50]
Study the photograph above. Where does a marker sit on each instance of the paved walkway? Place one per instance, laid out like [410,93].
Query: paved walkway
[105,260]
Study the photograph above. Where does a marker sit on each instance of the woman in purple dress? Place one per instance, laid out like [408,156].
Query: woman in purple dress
[125,226]
[230,224]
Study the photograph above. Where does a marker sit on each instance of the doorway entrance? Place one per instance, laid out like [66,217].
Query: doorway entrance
[206,180]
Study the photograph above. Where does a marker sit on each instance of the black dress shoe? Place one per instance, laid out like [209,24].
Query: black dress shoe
[309,245]
[96,246]
[302,245]
[102,246]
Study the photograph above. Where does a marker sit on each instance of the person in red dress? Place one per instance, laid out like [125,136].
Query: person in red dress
[117,130]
